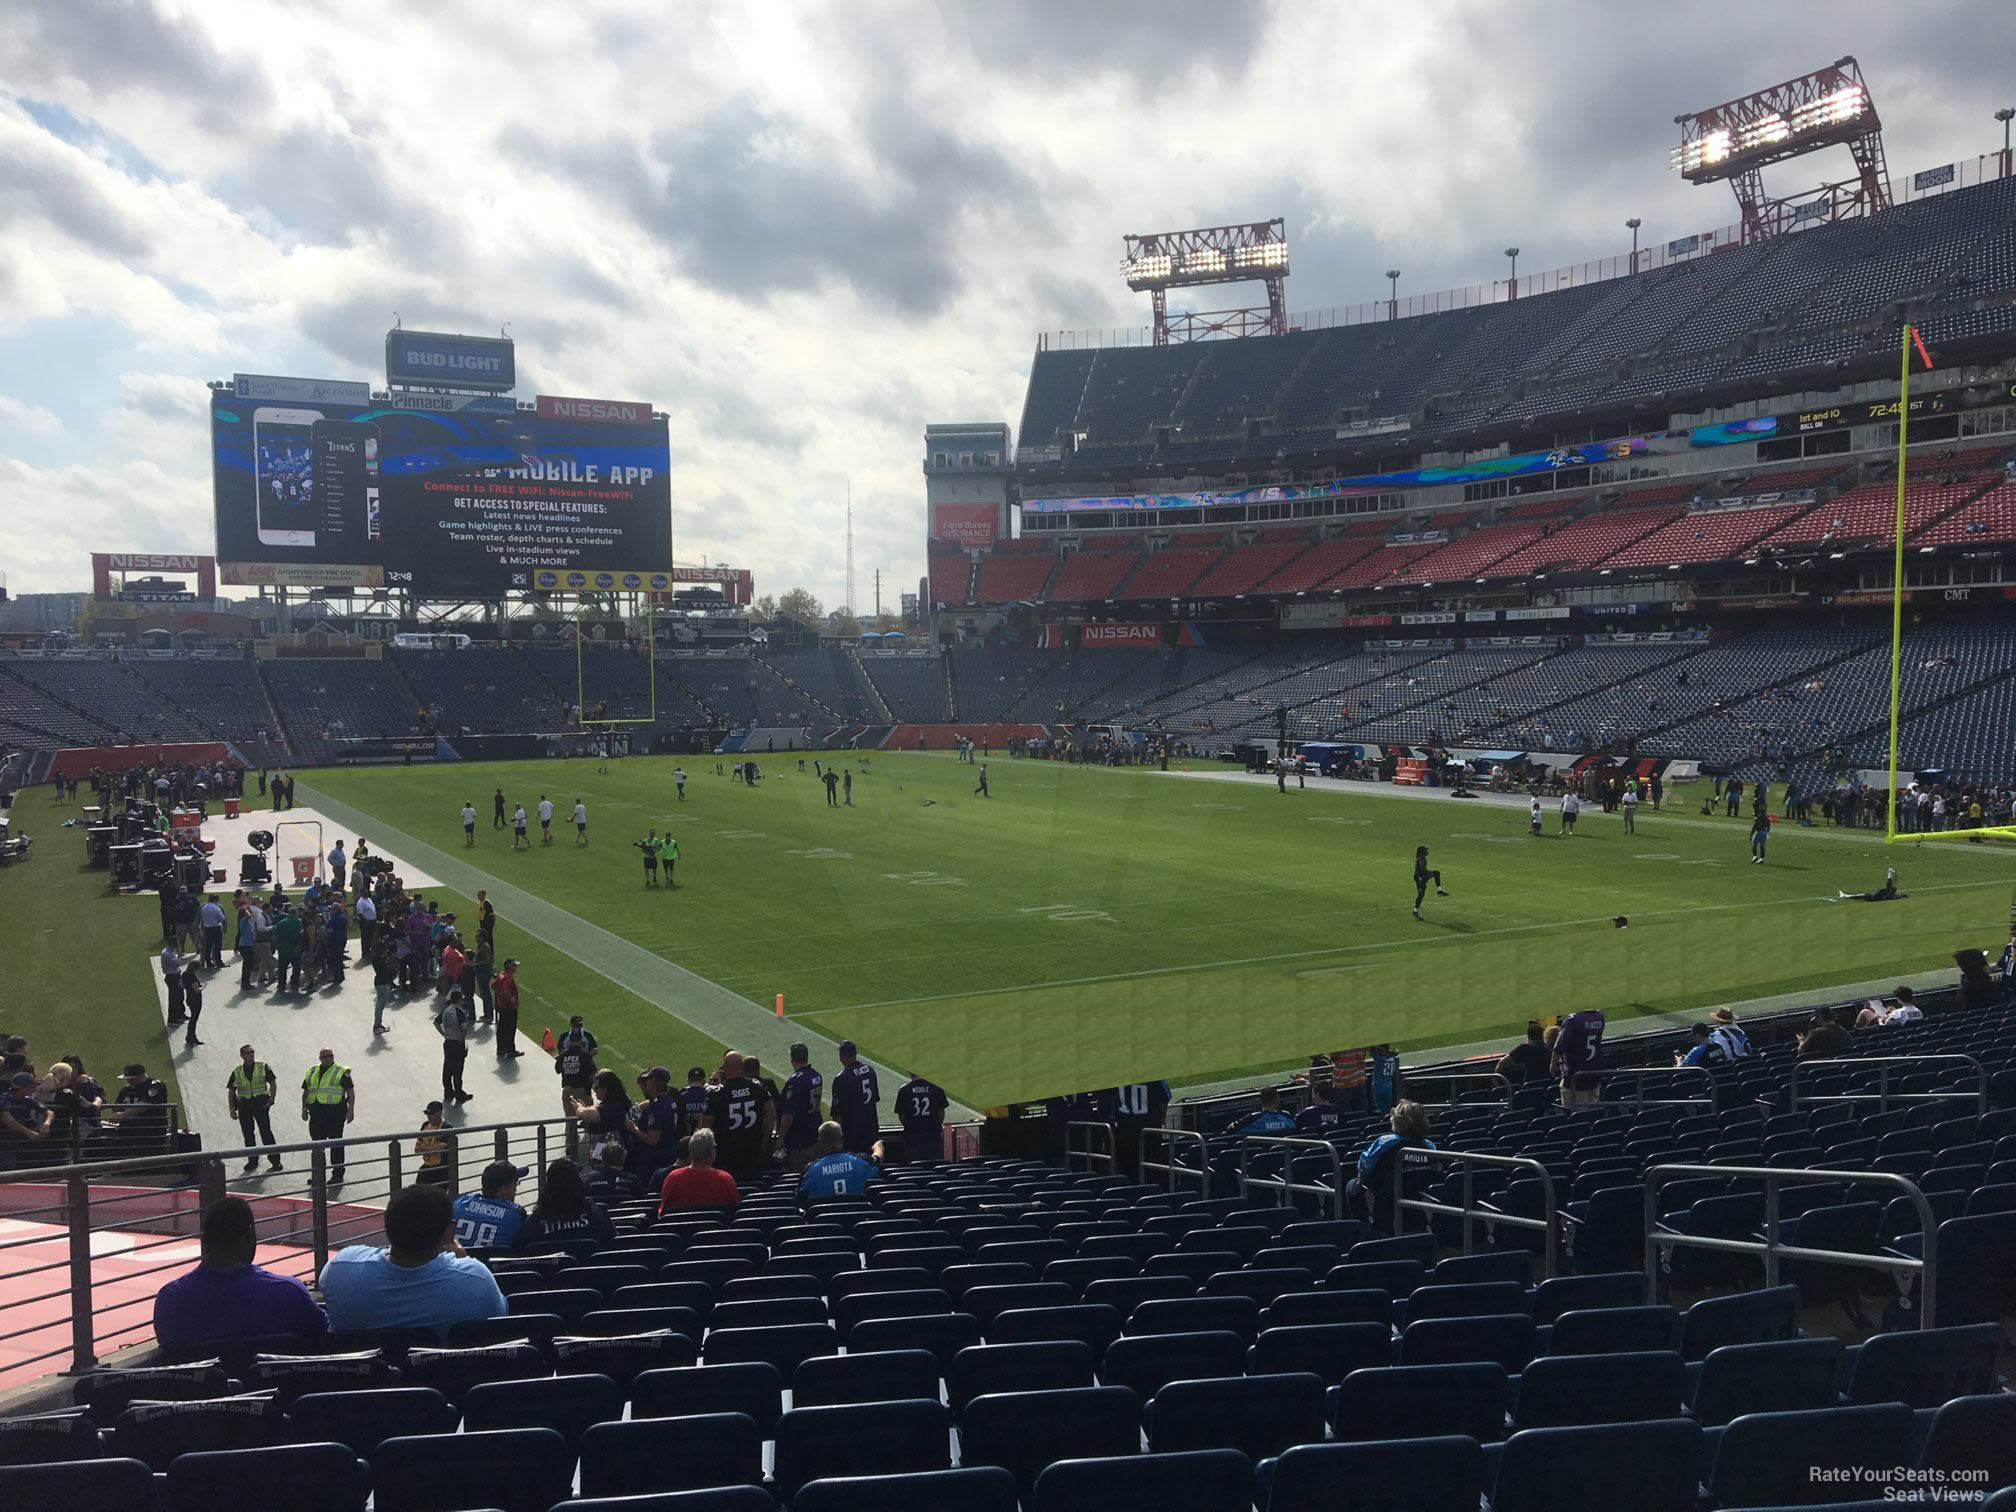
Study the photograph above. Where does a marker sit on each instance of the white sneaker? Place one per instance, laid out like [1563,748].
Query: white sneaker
[1417,913]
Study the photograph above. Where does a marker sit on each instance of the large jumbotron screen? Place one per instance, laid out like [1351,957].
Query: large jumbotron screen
[475,499]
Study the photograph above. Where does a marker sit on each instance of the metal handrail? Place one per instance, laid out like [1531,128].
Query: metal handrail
[1169,1167]
[1285,1184]
[1071,1151]
[1883,1095]
[1549,1224]
[1416,1080]
[1773,1251]
[1639,1076]
[194,1181]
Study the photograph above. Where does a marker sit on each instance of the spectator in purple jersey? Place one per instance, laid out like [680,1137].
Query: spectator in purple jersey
[1578,1051]
[227,1296]
[1321,1116]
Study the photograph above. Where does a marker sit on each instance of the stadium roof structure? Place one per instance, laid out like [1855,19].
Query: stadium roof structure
[1253,252]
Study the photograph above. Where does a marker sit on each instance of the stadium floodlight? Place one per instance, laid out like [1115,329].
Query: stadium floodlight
[1735,141]
[2005,115]
[1254,252]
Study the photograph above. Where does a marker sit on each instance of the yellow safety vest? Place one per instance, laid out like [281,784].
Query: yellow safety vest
[325,1087]
[250,1081]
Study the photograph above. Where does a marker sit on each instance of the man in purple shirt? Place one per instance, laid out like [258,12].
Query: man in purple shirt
[228,1297]
[1578,1051]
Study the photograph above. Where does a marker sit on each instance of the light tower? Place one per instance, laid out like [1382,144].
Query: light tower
[847,585]
[1253,253]
[1737,141]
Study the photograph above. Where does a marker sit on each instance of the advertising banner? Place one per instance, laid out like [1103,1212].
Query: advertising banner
[1120,635]
[300,390]
[435,359]
[621,411]
[154,564]
[473,501]
[1297,615]
[965,524]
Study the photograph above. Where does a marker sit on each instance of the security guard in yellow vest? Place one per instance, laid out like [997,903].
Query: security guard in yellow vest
[328,1102]
[251,1089]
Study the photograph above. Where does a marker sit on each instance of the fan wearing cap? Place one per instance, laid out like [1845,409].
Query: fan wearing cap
[491,1220]
[431,1149]
[140,1109]
[652,1128]
[574,1060]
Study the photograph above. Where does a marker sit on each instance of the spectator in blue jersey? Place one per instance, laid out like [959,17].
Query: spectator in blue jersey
[1382,1076]
[1578,1051]
[1270,1119]
[652,1129]
[856,1097]
[1373,1190]
[491,1219]
[420,1280]
[798,1110]
[1321,1116]
[693,1100]
[920,1108]
[835,1171]
[227,1296]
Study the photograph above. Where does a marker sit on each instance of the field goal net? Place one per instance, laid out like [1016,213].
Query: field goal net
[297,851]
[1894,831]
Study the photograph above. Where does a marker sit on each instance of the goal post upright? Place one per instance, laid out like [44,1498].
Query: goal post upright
[1897,575]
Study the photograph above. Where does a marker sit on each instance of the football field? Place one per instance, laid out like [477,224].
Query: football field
[1086,925]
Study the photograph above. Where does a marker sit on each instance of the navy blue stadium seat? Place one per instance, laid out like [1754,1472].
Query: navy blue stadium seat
[1421,1401]
[1203,1480]
[872,1438]
[1559,1294]
[972,1488]
[1295,1308]
[1507,1339]
[1092,1323]
[914,1302]
[1616,1467]
[885,1376]
[622,1357]
[715,1499]
[317,1478]
[1493,1265]
[1973,1436]
[1081,1272]
[453,1371]
[109,1392]
[1481,1299]
[1390,1475]
[570,1304]
[570,1405]
[765,1288]
[1767,1458]
[1416,1247]
[1145,1363]
[1561,1391]
[158,1431]
[767,1312]
[988,1302]
[49,1438]
[1395,1277]
[1976,1281]
[97,1483]
[291,1376]
[1260,1416]
[696,1296]
[1789,1375]
[1239,1315]
[754,1388]
[362,1420]
[536,1329]
[1024,1432]
[1613,1330]
[942,1334]
[1017,1367]
[1263,1285]
[512,1470]
[785,1347]
[1755,1317]
[960,1279]
[671,1454]
[1927,1366]
[1329,1350]
[1130,1293]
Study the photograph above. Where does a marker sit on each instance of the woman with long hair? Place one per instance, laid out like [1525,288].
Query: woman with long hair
[564,1211]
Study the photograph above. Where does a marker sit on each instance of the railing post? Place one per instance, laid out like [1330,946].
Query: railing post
[1469,1201]
[318,1206]
[1770,1231]
[394,1167]
[209,1184]
[77,1218]
[539,1149]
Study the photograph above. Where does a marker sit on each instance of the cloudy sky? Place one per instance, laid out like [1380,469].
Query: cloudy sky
[804,230]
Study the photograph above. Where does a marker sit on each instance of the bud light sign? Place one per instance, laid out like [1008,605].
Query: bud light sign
[432,359]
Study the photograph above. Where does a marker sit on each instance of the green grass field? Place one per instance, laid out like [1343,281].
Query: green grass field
[1086,926]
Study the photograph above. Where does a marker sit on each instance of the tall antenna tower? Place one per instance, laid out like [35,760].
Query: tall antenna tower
[847,588]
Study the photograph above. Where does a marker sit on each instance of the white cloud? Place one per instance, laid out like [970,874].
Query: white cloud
[28,419]
[807,231]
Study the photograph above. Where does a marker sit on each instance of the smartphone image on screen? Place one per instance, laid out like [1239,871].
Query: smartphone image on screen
[373,529]
[284,475]
[345,453]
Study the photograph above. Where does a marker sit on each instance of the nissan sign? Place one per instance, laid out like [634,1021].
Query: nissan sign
[436,360]
[612,411]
